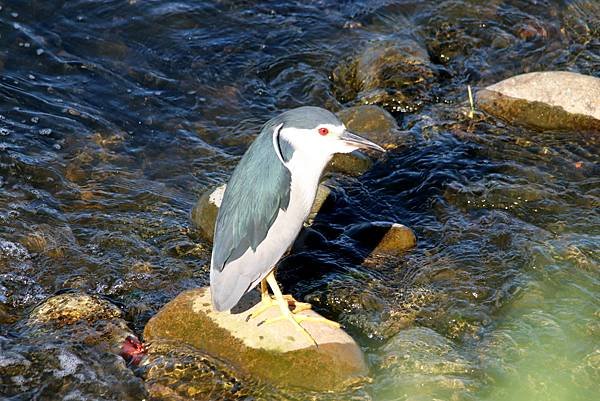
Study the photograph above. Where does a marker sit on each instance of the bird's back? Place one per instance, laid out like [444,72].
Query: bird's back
[256,193]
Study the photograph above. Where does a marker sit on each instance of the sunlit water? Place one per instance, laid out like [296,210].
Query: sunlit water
[116,115]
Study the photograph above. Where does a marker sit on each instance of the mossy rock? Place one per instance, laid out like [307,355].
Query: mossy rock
[277,352]
[374,123]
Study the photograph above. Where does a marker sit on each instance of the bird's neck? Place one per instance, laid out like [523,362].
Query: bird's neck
[306,169]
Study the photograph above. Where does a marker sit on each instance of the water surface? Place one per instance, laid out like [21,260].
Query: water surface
[116,115]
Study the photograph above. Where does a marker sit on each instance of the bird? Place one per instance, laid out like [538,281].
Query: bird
[265,203]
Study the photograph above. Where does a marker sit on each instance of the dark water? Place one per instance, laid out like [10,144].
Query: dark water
[116,115]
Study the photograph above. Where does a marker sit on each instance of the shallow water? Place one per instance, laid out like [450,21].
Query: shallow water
[116,115]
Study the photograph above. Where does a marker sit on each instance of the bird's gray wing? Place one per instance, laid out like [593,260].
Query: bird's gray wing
[257,190]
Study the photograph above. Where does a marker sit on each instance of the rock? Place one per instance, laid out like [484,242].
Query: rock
[383,238]
[204,213]
[394,74]
[372,122]
[323,194]
[547,100]
[88,318]
[422,361]
[374,309]
[375,124]
[353,164]
[276,352]
[6,317]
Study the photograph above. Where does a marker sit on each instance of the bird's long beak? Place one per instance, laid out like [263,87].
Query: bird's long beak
[359,142]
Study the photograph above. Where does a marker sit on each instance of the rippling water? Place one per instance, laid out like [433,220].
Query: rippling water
[116,115]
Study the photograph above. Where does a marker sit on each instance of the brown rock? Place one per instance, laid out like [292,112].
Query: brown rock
[394,74]
[276,352]
[372,122]
[353,164]
[546,100]
[204,213]
[383,237]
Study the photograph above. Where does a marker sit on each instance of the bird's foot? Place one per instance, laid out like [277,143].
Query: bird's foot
[268,301]
[296,306]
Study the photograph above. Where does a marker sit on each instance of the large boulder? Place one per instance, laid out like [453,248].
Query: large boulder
[276,352]
[548,100]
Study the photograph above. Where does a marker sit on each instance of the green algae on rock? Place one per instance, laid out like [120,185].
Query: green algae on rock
[546,100]
[277,352]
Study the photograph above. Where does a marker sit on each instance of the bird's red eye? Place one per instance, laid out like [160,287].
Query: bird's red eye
[323,131]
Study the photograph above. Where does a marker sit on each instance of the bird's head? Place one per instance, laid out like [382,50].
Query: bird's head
[316,132]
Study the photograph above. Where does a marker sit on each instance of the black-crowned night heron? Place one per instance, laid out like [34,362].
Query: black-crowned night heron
[266,202]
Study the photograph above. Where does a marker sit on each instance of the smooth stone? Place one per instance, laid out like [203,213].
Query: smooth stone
[85,317]
[353,164]
[383,238]
[374,123]
[204,213]
[547,100]
[371,122]
[277,352]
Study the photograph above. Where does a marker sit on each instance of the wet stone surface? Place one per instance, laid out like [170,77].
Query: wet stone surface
[261,349]
[547,100]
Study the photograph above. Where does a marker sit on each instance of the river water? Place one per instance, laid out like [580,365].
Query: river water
[116,115]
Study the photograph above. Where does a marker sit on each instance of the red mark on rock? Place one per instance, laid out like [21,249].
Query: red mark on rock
[133,350]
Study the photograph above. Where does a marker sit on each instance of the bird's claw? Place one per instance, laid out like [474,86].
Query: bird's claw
[268,301]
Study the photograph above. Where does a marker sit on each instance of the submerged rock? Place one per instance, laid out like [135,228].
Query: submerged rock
[277,352]
[394,74]
[383,238]
[421,360]
[547,100]
[87,318]
[204,213]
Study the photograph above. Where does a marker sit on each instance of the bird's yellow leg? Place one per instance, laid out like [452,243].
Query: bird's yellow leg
[266,300]
[286,314]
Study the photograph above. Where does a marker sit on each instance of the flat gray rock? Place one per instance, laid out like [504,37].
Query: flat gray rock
[547,100]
